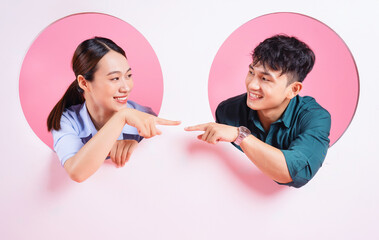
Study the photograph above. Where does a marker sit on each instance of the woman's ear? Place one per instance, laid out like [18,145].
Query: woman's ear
[82,82]
[295,88]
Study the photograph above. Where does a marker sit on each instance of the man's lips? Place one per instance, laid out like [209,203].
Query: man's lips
[254,96]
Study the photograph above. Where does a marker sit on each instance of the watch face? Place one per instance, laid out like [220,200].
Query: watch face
[243,132]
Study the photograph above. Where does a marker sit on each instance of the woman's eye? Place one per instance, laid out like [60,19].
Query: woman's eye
[130,75]
[116,78]
[264,79]
[251,72]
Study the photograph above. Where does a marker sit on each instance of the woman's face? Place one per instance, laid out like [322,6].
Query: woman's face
[112,83]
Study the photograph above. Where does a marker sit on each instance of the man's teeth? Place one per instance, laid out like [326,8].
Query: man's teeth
[254,95]
[122,99]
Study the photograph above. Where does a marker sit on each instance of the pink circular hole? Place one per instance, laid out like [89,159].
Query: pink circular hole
[333,82]
[46,70]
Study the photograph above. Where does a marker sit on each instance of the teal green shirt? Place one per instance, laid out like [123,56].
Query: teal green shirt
[301,133]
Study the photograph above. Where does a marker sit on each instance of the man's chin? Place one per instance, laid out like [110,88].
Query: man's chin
[252,105]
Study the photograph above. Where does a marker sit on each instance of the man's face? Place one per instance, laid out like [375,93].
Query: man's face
[267,90]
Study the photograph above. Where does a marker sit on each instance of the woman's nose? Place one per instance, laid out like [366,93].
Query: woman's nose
[124,87]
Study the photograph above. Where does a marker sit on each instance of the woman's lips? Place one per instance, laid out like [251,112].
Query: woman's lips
[122,99]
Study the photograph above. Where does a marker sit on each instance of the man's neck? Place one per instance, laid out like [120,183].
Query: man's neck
[268,116]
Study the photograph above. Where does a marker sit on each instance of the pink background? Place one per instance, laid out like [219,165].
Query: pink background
[333,82]
[46,70]
[174,186]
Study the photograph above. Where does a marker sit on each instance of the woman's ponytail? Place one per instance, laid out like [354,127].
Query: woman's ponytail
[72,96]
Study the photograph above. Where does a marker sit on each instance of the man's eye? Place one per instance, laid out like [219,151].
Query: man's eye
[116,78]
[251,72]
[265,79]
[130,75]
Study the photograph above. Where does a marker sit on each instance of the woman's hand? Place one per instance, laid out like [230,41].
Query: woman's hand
[121,151]
[146,123]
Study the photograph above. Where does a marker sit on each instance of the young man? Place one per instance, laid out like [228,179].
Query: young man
[283,134]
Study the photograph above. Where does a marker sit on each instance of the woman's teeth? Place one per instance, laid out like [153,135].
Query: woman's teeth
[121,98]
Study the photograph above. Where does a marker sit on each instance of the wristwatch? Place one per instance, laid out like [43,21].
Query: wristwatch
[242,133]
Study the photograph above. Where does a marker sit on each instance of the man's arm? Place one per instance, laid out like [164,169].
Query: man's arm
[268,159]
[293,166]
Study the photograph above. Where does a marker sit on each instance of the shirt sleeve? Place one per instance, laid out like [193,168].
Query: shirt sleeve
[307,152]
[66,141]
[231,112]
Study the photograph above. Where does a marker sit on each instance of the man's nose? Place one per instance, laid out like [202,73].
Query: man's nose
[254,83]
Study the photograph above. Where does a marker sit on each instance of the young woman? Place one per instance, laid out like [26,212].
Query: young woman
[94,119]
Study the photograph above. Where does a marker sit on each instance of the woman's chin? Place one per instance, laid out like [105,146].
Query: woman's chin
[120,107]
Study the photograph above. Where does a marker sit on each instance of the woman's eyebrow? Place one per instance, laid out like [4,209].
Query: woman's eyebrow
[113,72]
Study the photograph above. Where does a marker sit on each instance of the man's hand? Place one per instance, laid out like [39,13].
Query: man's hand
[215,132]
[121,151]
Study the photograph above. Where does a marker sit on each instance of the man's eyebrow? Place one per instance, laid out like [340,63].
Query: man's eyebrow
[113,72]
[265,72]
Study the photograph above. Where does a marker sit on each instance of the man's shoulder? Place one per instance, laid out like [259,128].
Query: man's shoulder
[231,110]
[309,105]
[310,114]
[233,103]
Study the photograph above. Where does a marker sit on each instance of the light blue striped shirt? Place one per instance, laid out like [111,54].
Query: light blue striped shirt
[77,129]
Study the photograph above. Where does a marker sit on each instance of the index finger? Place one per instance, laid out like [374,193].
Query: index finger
[199,127]
[162,121]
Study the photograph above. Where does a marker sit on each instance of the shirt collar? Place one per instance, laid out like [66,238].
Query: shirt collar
[289,112]
[90,128]
[285,118]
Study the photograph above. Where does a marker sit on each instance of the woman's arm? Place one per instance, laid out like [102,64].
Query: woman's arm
[90,157]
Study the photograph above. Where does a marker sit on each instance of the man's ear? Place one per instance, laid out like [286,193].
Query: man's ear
[295,88]
[82,82]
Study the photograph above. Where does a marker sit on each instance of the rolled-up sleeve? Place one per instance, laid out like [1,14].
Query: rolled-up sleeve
[307,152]
[66,141]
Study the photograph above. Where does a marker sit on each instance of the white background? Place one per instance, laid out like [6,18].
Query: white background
[175,187]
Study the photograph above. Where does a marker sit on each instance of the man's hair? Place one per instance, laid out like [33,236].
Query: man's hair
[285,54]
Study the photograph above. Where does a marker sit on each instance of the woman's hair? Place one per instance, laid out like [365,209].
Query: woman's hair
[84,62]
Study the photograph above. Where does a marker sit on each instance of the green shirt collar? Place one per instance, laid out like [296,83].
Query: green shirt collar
[285,118]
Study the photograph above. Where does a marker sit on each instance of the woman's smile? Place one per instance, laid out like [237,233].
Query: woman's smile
[121,99]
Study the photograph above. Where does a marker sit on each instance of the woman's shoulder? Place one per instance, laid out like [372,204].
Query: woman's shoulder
[73,111]
[74,116]
[134,105]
